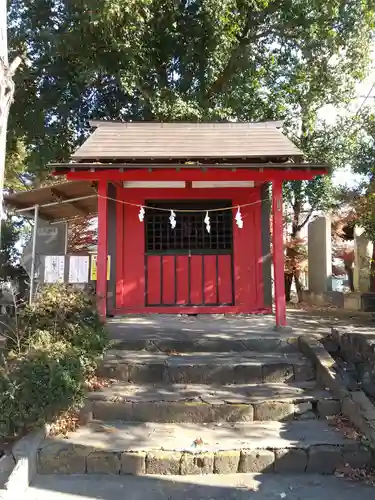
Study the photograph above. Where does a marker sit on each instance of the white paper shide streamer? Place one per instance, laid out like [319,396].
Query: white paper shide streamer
[207,222]
[172,219]
[238,218]
[141,214]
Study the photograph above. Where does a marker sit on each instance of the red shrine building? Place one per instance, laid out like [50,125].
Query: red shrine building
[232,172]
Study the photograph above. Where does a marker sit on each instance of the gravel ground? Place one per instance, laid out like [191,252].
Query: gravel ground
[213,487]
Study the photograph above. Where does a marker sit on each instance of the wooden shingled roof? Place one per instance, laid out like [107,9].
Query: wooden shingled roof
[189,141]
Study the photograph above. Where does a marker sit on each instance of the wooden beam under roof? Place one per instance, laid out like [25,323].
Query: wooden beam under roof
[62,197]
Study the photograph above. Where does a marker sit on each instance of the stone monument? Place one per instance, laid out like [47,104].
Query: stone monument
[362,260]
[320,255]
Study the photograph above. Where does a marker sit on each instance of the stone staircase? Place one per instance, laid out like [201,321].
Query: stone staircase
[205,406]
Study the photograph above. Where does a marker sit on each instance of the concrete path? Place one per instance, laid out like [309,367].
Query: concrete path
[214,487]
[208,327]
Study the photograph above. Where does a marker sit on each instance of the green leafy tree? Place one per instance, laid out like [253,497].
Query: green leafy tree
[12,230]
[331,145]
[16,176]
[186,60]
[180,60]
[361,157]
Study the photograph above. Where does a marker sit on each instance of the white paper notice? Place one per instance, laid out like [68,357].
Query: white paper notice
[54,266]
[79,269]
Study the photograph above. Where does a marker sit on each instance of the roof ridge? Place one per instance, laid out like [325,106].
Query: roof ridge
[171,124]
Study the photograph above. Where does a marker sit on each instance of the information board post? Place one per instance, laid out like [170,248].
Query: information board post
[32,272]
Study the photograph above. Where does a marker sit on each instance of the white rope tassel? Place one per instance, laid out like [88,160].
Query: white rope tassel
[207,222]
[238,218]
[141,215]
[172,219]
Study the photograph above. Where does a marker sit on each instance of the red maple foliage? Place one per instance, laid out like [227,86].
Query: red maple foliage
[83,235]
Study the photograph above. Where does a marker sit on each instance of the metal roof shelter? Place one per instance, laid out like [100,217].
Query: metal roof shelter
[55,203]
[58,202]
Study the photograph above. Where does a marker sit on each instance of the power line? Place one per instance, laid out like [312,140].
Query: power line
[365,99]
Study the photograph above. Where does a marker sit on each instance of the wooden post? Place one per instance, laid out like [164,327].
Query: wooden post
[33,254]
[278,253]
[101,263]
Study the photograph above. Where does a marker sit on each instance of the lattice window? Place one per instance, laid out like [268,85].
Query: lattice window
[190,234]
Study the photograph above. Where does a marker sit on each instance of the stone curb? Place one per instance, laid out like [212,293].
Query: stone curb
[7,464]
[358,350]
[312,348]
[25,456]
[355,405]
[318,459]
[357,346]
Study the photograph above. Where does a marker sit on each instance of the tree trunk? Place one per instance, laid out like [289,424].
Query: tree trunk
[6,94]
[372,270]
[291,254]
[293,273]
[349,272]
[298,285]
[288,277]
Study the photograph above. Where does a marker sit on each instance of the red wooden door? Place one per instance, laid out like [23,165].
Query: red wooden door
[187,266]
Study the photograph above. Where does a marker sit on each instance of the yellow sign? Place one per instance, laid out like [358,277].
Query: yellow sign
[94,269]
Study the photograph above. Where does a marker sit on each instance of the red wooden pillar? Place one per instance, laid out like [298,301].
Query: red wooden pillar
[101,270]
[278,252]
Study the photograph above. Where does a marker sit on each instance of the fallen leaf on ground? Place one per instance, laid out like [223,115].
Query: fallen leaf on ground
[107,429]
[172,352]
[94,383]
[343,425]
[364,474]
[67,422]
[198,442]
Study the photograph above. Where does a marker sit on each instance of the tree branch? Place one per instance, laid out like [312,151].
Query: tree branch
[242,41]
[309,214]
[146,94]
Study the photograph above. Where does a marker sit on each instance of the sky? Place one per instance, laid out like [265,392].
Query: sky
[365,96]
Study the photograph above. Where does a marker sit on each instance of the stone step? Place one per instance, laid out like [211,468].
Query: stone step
[170,345]
[247,367]
[154,448]
[205,403]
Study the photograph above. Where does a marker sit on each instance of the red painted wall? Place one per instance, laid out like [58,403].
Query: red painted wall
[130,265]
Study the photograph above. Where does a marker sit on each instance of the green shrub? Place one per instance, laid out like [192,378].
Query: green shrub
[69,315]
[53,346]
[37,387]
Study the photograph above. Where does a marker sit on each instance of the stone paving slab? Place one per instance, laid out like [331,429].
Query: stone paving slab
[125,448]
[132,436]
[251,357]
[236,393]
[216,326]
[219,368]
[203,403]
[204,487]
[259,344]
